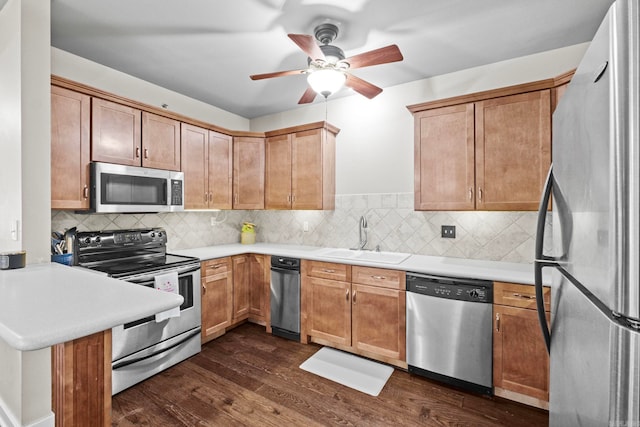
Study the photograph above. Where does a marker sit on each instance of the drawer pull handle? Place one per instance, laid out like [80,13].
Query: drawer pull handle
[479,194]
[497,322]
[328,270]
[217,266]
[524,296]
[470,193]
[85,192]
[146,153]
[204,289]
[354,296]
[379,277]
[137,152]
[347,295]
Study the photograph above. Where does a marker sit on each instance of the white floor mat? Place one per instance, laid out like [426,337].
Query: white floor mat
[349,370]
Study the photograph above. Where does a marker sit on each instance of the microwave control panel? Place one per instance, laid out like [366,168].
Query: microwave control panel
[176,192]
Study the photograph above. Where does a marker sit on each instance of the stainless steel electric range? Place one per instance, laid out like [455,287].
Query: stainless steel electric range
[146,346]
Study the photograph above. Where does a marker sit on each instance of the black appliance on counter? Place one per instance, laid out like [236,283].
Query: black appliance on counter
[144,347]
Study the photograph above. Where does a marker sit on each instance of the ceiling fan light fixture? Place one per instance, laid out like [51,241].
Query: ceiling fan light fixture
[326,81]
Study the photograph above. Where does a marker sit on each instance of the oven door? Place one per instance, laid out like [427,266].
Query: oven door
[143,333]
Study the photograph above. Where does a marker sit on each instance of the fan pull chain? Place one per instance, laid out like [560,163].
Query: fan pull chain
[326,114]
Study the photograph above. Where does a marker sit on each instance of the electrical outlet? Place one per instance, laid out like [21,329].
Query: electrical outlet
[449,231]
[305,226]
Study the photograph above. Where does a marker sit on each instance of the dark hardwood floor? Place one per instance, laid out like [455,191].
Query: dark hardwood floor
[248,377]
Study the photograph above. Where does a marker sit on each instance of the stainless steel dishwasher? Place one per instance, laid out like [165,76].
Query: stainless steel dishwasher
[285,297]
[449,335]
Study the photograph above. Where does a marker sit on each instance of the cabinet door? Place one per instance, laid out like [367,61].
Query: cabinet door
[520,359]
[115,135]
[220,171]
[444,159]
[259,287]
[160,142]
[306,170]
[378,321]
[513,150]
[329,310]
[277,191]
[241,282]
[195,157]
[248,173]
[70,124]
[217,294]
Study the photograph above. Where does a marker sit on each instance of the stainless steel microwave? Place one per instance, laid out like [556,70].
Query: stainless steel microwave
[125,189]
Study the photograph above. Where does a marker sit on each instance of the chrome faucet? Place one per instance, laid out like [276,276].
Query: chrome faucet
[362,233]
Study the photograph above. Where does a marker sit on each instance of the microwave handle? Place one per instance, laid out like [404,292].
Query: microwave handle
[166,194]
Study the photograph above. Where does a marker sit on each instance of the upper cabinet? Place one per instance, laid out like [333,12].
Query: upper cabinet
[160,142]
[485,151]
[248,172]
[207,167]
[70,124]
[129,136]
[300,167]
[116,133]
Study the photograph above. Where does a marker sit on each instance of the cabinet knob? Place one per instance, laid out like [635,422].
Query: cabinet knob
[137,152]
[354,296]
[347,295]
[497,322]
[146,153]
[206,197]
[210,196]
[470,193]
[480,194]
[204,289]
[85,192]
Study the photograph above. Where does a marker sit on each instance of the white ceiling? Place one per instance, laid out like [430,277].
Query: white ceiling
[206,49]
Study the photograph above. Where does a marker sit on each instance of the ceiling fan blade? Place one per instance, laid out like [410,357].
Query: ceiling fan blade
[308,45]
[384,55]
[308,96]
[362,87]
[276,74]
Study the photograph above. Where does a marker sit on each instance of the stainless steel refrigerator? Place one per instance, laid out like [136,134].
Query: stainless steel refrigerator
[595,181]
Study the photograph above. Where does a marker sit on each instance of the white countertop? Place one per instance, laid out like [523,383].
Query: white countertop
[46,304]
[454,267]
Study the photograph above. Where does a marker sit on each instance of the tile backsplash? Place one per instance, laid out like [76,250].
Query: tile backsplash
[392,224]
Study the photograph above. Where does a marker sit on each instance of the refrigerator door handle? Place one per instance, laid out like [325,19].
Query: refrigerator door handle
[541,261]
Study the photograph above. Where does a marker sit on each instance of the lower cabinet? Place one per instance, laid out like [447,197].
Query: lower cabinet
[358,309]
[520,359]
[234,289]
[217,297]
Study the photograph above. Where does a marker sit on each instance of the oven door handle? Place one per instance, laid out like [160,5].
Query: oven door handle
[149,356]
[150,277]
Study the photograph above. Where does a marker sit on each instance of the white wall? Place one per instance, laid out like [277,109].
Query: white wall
[76,68]
[374,152]
[25,377]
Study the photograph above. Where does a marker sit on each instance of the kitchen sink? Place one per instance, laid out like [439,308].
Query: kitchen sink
[373,256]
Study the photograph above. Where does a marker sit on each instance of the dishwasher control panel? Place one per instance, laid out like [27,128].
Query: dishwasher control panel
[451,288]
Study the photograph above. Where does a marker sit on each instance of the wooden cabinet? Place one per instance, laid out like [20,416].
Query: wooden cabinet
[248,172]
[489,155]
[217,297]
[160,142]
[115,133]
[513,150]
[300,167]
[81,381]
[259,289]
[207,168]
[70,149]
[488,150]
[241,285]
[357,309]
[520,359]
[128,136]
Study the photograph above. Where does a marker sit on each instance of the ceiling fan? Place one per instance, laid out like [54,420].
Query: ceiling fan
[328,68]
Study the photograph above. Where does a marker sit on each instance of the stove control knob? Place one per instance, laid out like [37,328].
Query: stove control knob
[153,234]
[87,240]
[98,239]
[160,234]
[473,294]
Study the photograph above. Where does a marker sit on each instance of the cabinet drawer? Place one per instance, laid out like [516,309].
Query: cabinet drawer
[216,266]
[393,279]
[515,295]
[329,270]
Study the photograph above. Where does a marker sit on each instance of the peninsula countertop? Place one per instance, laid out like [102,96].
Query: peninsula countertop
[46,304]
[445,266]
